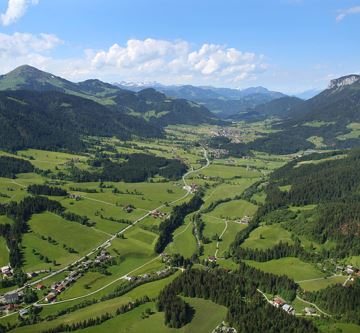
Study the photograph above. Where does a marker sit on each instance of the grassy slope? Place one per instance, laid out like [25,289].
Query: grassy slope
[270,236]
[292,267]
[207,316]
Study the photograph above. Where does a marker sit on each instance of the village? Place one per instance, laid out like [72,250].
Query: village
[14,300]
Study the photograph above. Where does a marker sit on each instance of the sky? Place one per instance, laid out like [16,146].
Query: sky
[284,45]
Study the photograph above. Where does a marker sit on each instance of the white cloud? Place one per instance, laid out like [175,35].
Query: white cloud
[25,48]
[169,62]
[345,12]
[19,44]
[15,10]
[154,59]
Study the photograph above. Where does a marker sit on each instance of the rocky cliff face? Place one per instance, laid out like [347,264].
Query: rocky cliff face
[344,81]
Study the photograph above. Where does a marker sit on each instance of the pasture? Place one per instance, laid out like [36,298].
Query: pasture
[267,236]
[294,268]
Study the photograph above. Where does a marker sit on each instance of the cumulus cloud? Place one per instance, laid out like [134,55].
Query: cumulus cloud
[25,48]
[19,44]
[169,62]
[15,10]
[345,12]
[154,58]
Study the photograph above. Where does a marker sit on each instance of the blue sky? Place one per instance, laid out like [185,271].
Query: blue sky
[287,45]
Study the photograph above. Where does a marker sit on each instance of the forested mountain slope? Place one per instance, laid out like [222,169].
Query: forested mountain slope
[147,104]
[54,120]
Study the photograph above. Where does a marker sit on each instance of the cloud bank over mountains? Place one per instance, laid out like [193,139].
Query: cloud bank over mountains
[148,59]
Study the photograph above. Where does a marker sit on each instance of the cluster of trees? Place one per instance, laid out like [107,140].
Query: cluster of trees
[176,219]
[280,250]
[247,310]
[46,190]
[343,302]
[10,166]
[137,168]
[21,213]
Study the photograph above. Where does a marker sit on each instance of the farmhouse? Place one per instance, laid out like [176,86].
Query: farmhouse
[10,307]
[23,312]
[350,269]
[156,213]
[40,286]
[212,258]
[130,278]
[50,298]
[31,275]
[278,302]
[6,272]
[309,311]
[77,197]
[288,308]
[11,297]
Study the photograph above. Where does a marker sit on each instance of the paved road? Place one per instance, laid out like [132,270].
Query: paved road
[188,192]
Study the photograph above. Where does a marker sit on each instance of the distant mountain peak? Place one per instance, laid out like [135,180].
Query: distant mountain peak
[26,71]
[344,81]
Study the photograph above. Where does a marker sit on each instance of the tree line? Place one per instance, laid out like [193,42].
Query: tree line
[37,189]
[10,166]
[136,168]
[176,219]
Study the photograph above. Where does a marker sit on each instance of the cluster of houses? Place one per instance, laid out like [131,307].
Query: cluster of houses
[157,214]
[58,287]
[191,188]
[245,220]
[144,277]
[224,328]
[278,302]
[76,197]
[217,153]
[11,301]
[348,269]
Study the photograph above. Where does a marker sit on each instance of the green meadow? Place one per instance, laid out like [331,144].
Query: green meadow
[292,267]
[266,236]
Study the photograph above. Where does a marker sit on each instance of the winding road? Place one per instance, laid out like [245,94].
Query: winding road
[109,240]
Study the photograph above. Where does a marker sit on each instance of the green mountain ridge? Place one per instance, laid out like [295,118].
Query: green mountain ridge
[148,104]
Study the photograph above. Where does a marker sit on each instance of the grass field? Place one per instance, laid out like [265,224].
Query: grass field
[151,289]
[183,241]
[229,189]
[322,283]
[63,232]
[235,209]
[227,172]
[292,267]
[226,177]
[340,328]
[266,236]
[207,316]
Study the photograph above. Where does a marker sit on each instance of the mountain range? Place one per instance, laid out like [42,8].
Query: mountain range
[221,101]
[330,119]
[39,109]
